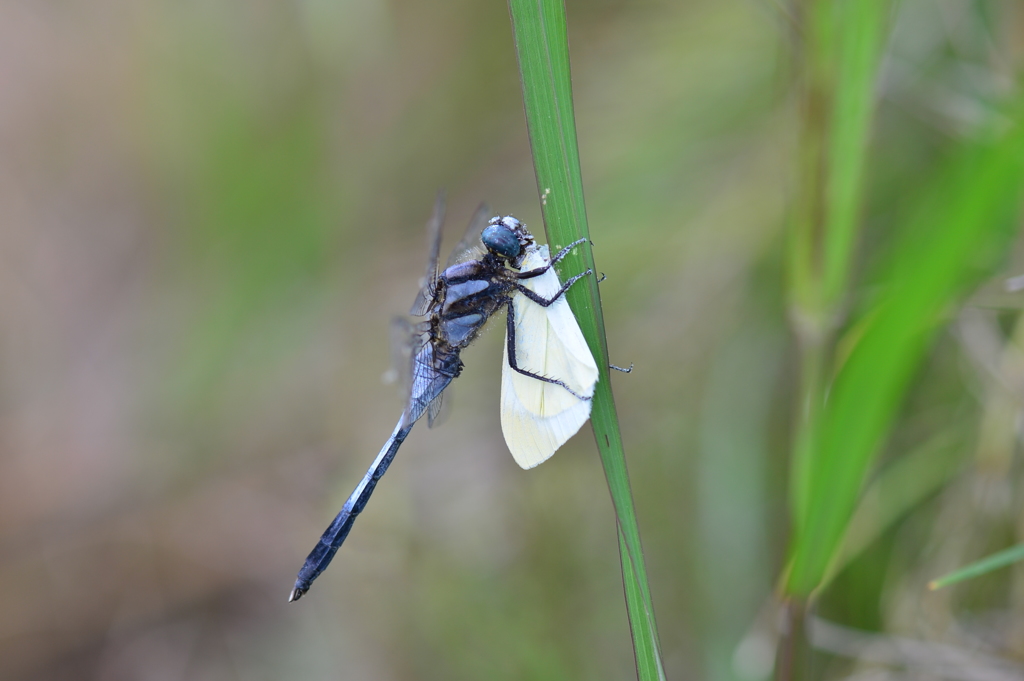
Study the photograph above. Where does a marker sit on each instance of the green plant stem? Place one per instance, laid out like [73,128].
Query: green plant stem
[539,28]
[837,61]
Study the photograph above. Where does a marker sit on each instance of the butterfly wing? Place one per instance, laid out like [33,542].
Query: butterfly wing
[538,417]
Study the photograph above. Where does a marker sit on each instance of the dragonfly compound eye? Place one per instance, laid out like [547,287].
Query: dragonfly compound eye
[501,240]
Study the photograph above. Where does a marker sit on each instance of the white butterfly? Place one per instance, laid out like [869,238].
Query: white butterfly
[538,417]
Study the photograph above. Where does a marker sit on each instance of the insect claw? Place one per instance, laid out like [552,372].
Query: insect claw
[603,277]
[625,371]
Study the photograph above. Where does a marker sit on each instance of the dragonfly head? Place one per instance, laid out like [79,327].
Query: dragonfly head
[506,237]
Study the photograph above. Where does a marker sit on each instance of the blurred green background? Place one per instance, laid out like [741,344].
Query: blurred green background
[209,212]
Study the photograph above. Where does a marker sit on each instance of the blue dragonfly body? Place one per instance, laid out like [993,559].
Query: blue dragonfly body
[456,303]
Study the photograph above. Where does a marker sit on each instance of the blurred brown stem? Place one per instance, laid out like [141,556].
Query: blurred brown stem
[812,314]
[792,656]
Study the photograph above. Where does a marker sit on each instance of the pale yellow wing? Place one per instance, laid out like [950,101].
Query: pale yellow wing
[538,417]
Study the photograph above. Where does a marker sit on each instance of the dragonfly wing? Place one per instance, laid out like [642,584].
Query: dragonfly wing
[429,379]
[433,409]
[403,341]
[538,417]
[426,293]
[470,247]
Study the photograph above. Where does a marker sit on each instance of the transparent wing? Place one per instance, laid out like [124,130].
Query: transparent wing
[405,339]
[423,382]
[537,417]
[470,247]
[433,410]
[429,379]
[426,293]
[408,341]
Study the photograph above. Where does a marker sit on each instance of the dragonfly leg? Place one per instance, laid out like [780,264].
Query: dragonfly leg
[544,302]
[565,251]
[510,325]
[558,256]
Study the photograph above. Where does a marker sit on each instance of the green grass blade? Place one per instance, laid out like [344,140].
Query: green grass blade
[843,46]
[963,223]
[858,32]
[539,28]
[645,637]
[986,565]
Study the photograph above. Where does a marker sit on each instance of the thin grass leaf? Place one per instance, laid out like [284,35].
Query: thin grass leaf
[539,28]
[645,637]
[843,47]
[961,227]
[858,32]
[994,562]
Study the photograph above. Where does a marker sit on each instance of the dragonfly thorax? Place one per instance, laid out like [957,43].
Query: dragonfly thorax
[467,295]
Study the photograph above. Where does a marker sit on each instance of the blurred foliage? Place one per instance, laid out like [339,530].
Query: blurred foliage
[209,211]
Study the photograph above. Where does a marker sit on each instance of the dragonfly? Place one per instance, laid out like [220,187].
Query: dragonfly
[497,266]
